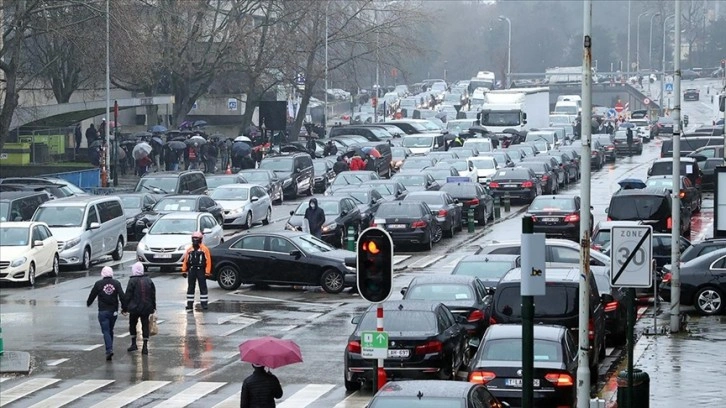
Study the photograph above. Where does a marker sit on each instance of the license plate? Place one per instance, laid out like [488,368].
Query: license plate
[398,353]
[511,185]
[550,219]
[396,226]
[517,382]
[163,256]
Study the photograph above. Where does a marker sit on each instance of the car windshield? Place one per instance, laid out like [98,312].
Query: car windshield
[407,321]
[13,236]
[359,196]
[483,162]
[311,245]
[537,167]
[547,203]
[396,210]
[410,180]
[501,119]
[176,204]
[480,145]
[173,226]
[384,189]
[439,174]
[418,141]
[459,165]
[127,202]
[222,193]
[638,208]
[567,109]
[329,207]
[415,402]
[541,145]
[398,152]
[560,120]
[534,137]
[484,270]
[163,185]
[511,350]
[256,176]
[214,182]
[511,174]
[460,190]
[440,291]
[57,216]
[601,238]
[281,164]
[348,178]
[559,301]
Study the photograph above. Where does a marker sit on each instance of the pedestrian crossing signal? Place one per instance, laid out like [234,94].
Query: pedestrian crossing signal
[374,265]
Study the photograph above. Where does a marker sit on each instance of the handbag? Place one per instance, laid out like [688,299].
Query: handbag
[153,325]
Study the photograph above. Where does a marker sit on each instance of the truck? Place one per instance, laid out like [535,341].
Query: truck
[518,108]
[482,80]
[567,75]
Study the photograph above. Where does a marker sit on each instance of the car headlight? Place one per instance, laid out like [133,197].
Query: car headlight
[287,182]
[290,227]
[18,261]
[71,243]
[142,246]
[350,268]
[183,247]
[330,227]
[236,210]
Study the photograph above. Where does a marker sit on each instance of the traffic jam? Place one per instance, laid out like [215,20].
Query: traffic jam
[448,173]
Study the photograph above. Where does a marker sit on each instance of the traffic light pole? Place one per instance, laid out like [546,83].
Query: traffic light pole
[527,330]
[380,374]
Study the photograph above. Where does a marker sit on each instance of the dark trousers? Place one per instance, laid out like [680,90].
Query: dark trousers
[193,277]
[134,320]
[107,320]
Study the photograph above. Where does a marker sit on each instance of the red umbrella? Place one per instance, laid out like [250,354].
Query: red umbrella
[270,352]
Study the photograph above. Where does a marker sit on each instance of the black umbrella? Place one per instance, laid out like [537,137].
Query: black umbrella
[241,149]
[128,143]
[142,135]
[157,140]
[97,143]
[177,145]
[186,133]
[178,139]
[478,129]
[200,123]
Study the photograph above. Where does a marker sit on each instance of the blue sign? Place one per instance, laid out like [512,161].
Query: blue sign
[232,104]
[612,113]
[300,79]
[195,106]
[669,87]
[458,179]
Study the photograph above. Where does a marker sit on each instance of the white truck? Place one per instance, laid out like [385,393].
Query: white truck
[518,108]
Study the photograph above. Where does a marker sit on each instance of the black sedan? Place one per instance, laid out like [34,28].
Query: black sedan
[433,393]
[366,198]
[268,180]
[621,144]
[444,207]
[391,190]
[441,174]
[488,268]
[597,156]
[689,194]
[281,258]
[562,175]
[691,94]
[408,223]
[614,303]
[216,180]
[517,183]
[498,365]
[571,171]
[557,216]
[416,181]
[173,203]
[472,195]
[703,283]
[341,213]
[351,178]
[134,204]
[546,175]
[324,174]
[425,341]
[463,295]
[606,141]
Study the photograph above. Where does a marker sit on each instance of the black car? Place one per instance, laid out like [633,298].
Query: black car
[441,173]
[557,216]
[546,175]
[366,198]
[444,207]
[21,205]
[652,206]
[709,172]
[216,180]
[614,303]
[341,213]
[562,175]
[173,203]
[488,268]
[498,365]
[372,133]
[425,341]
[691,94]
[391,190]
[382,164]
[689,194]
[408,223]
[324,174]
[689,168]
[134,204]
[268,180]
[563,161]
[351,179]
[281,258]
[56,187]
[607,142]
[703,283]
[662,249]
[704,247]
[570,156]
[433,393]
[417,181]
[597,156]
[621,143]
[170,182]
[295,170]
[472,195]
[517,183]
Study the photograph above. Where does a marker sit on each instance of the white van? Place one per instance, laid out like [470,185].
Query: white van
[543,135]
[567,108]
[422,143]
[87,228]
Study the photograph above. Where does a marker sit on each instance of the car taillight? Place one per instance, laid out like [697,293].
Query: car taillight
[682,194]
[667,277]
[572,218]
[527,184]
[594,154]
[669,223]
[442,213]
[430,347]
[373,224]
[418,224]
[560,379]
[354,347]
[611,307]
[475,316]
[493,184]
[609,219]
[591,330]
[492,320]
[698,181]
[481,377]
[474,202]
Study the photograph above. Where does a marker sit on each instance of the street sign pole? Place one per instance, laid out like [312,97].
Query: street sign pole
[631,345]
[533,284]
[676,207]
[380,373]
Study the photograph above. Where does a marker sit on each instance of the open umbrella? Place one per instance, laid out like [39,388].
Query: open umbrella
[96,143]
[196,139]
[177,145]
[157,140]
[372,151]
[241,149]
[200,123]
[141,150]
[242,139]
[159,129]
[270,352]
[631,184]
[128,143]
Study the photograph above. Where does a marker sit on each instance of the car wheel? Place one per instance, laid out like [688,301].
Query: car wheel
[268,217]
[248,221]
[332,281]
[708,301]
[86,262]
[118,253]
[437,234]
[56,266]
[31,274]
[228,277]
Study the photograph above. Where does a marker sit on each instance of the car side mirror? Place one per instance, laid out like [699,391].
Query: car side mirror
[147,207]
[94,225]
[343,213]
[404,290]
[607,209]
[145,231]
[490,291]
[296,254]
[292,212]
[474,343]
[607,298]
[37,243]
[254,199]
[355,320]
[456,201]
[207,231]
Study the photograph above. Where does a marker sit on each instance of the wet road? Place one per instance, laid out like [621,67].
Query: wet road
[194,360]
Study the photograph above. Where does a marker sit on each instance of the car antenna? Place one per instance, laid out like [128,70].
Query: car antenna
[400,306]
[419,395]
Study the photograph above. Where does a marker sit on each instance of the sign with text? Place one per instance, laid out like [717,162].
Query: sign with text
[374,344]
[631,256]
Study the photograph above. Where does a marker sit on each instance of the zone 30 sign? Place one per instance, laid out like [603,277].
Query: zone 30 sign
[631,257]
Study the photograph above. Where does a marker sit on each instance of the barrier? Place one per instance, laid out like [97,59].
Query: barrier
[84,179]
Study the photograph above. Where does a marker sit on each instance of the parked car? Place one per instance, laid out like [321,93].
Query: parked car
[689,168]
[607,142]
[546,175]
[324,174]
[27,250]
[417,181]
[350,179]
[216,180]
[652,206]
[601,236]
[167,182]
[662,244]
[409,223]
[341,213]
[557,216]
[703,283]
[689,194]
[390,189]
[472,195]
[135,204]
[557,251]
[56,187]
[296,172]
[21,205]
[444,207]
[243,204]
[268,180]
[614,304]
[367,199]
[704,247]
[178,203]
[518,183]
[691,94]
[433,393]
[489,269]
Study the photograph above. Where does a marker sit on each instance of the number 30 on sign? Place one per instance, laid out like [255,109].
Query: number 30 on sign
[632,256]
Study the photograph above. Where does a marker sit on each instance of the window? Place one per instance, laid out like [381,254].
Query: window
[281,245]
[208,222]
[564,255]
[37,236]
[506,251]
[256,243]
[206,203]
[92,216]
[709,248]
[45,232]
[719,264]
[108,210]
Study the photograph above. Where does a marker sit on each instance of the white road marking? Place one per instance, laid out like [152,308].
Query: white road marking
[92,347]
[195,372]
[452,260]
[3,379]
[305,396]
[231,402]
[190,394]
[53,363]
[121,336]
[354,400]
[71,394]
[234,330]
[288,328]
[426,261]
[131,394]
[397,259]
[313,316]
[234,354]
[272,299]
[24,389]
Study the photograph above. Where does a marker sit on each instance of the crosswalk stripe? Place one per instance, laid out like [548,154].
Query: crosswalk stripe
[190,395]
[24,389]
[397,259]
[71,394]
[3,379]
[231,402]
[354,400]
[305,396]
[130,395]
[426,261]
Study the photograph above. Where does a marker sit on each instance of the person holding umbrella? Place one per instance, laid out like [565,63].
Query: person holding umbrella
[260,389]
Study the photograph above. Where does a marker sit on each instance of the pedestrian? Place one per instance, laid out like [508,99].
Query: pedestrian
[193,154]
[91,135]
[458,141]
[110,294]
[260,389]
[330,149]
[357,163]
[142,165]
[316,218]
[140,304]
[340,165]
[629,139]
[78,137]
[197,267]
[102,129]
[211,157]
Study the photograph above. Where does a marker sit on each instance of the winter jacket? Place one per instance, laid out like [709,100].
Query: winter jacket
[140,295]
[260,389]
[315,217]
[356,163]
[340,166]
[207,260]
[109,293]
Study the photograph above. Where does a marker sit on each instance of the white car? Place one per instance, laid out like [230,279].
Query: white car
[465,167]
[169,237]
[244,204]
[27,249]
[485,166]
[559,251]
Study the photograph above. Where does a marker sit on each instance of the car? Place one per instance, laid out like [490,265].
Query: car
[177,203]
[216,180]
[690,144]
[557,251]
[709,172]
[689,194]
[268,180]
[243,204]
[474,197]
[689,168]
[597,156]
[168,182]
[324,174]
[433,393]
[481,144]
[390,190]
[444,207]
[165,243]
[380,163]
[295,170]
[662,249]
[351,179]
[464,296]
[514,153]
[557,216]
[341,214]
[370,133]
[417,181]
[601,236]
[497,365]
[134,205]
[27,250]
[701,248]
[399,156]
[298,258]
[689,74]
[442,173]
[469,151]
[620,139]
[21,205]
[408,223]
[572,171]
[614,303]
[426,341]
[485,167]
[367,199]
[489,269]
[664,126]
[414,163]
[606,141]
[547,176]
[691,94]
[517,183]
[562,175]
[703,283]
[650,205]
[56,187]
[503,159]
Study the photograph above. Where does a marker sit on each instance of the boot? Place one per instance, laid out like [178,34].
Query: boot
[190,306]
[133,345]
[145,348]
[204,306]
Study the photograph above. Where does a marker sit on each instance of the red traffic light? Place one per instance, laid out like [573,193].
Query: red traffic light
[374,265]
[371,247]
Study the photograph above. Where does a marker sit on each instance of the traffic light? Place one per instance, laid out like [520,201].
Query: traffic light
[722,103]
[375,265]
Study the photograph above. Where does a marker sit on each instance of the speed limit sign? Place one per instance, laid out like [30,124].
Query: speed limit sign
[631,256]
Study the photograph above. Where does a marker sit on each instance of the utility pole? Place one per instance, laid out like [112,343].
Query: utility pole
[650,42]
[583,362]
[378,65]
[627,58]
[107,152]
[676,210]
[663,79]
[325,117]
[637,41]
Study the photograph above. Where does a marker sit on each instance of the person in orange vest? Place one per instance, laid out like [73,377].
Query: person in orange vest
[197,267]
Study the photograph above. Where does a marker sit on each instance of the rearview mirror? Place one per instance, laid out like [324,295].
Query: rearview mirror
[295,253]
[607,209]
[37,243]
[474,342]
[607,298]
[94,225]
[292,212]
[355,320]
[207,231]
[145,231]
[255,199]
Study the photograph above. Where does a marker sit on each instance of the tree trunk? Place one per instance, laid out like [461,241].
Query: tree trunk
[10,102]
[152,116]
[304,102]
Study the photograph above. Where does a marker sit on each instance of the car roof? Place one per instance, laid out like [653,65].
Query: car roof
[652,191]
[13,195]
[19,224]
[238,185]
[186,215]
[489,258]
[442,279]
[406,304]
[426,388]
[670,160]
[552,275]
[514,331]
[284,233]
[77,200]
[185,196]
[168,174]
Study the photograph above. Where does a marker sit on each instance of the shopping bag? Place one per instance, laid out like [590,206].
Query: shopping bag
[153,325]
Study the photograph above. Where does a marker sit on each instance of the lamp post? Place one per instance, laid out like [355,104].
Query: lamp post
[627,58]
[663,78]
[325,117]
[650,42]
[107,153]
[509,49]
[637,42]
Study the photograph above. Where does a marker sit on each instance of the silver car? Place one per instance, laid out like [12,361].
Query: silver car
[244,204]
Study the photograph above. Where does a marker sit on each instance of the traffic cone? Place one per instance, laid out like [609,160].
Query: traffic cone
[229,169]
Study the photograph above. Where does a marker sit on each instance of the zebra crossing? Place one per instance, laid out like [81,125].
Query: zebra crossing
[42,392]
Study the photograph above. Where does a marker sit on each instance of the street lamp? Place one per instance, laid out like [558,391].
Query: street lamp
[637,42]
[663,78]
[650,42]
[627,58]
[509,49]
[378,59]
[325,117]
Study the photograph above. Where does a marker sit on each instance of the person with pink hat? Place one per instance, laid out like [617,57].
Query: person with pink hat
[110,294]
[140,300]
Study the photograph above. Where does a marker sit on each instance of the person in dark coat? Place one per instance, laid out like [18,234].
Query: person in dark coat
[316,218]
[91,135]
[140,304]
[260,389]
[110,294]
[330,149]
[78,137]
[629,139]
[340,165]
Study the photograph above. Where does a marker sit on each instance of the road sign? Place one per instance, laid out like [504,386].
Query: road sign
[669,86]
[619,107]
[646,101]
[374,344]
[232,104]
[631,256]
[612,113]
